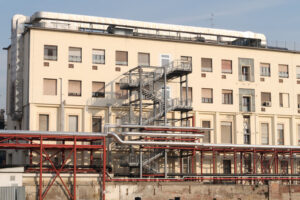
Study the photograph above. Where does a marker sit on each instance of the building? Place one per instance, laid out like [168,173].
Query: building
[65,74]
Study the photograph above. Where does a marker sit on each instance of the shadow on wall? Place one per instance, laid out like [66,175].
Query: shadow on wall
[2,119]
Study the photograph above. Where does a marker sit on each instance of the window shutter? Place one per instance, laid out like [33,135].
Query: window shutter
[265,133]
[75,87]
[226,129]
[265,96]
[44,122]
[98,87]
[73,123]
[144,59]
[75,51]
[50,87]
[121,57]
[206,93]
[226,66]
[283,68]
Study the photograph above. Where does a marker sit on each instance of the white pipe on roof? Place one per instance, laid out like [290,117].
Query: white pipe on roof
[146,25]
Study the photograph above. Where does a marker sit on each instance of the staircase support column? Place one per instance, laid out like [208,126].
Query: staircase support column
[141,163]
[166,163]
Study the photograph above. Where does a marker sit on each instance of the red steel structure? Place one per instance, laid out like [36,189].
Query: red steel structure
[67,145]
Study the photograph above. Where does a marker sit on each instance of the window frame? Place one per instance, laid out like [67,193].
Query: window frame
[211,67]
[212,96]
[101,95]
[223,102]
[80,55]
[116,62]
[144,53]
[96,63]
[222,66]
[56,56]
[55,86]
[80,88]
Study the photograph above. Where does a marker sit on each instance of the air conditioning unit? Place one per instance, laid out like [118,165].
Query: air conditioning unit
[267,103]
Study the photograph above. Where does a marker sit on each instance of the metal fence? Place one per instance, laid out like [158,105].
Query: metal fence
[12,193]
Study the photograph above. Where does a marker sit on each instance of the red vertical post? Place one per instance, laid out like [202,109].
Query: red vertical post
[104,169]
[235,165]
[63,153]
[261,163]
[241,163]
[276,162]
[214,161]
[41,169]
[291,161]
[254,161]
[75,166]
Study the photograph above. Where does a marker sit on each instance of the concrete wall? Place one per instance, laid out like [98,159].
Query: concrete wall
[88,188]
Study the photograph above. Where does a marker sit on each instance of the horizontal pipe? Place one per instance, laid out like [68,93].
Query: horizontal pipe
[53,133]
[156,127]
[161,134]
[119,140]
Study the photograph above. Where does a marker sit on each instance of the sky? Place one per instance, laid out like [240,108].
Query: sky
[277,19]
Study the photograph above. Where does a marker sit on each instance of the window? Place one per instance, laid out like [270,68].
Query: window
[165,59]
[98,89]
[43,122]
[206,124]
[73,123]
[246,104]
[207,95]
[97,124]
[266,99]
[265,69]
[50,52]
[245,73]
[283,71]
[284,100]
[298,72]
[227,166]
[280,131]
[121,94]
[50,87]
[206,64]
[298,101]
[227,97]
[74,88]
[226,132]
[143,59]
[186,61]
[121,58]
[227,66]
[264,133]
[246,129]
[189,94]
[98,56]
[75,54]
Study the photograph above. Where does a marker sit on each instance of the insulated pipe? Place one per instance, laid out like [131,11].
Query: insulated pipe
[161,134]
[162,127]
[119,140]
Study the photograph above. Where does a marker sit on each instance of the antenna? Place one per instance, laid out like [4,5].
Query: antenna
[211,20]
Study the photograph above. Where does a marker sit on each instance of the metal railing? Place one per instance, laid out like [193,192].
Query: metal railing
[74,58]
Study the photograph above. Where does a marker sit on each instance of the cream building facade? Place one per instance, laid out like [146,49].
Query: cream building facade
[69,67]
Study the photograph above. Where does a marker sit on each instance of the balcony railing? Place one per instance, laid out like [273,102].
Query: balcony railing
[98,94]
[283,74]
[47,57]
[207,100]
[74,58]
[74,94]
[98,59]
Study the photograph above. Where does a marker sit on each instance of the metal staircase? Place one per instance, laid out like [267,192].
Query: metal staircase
[148,91]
